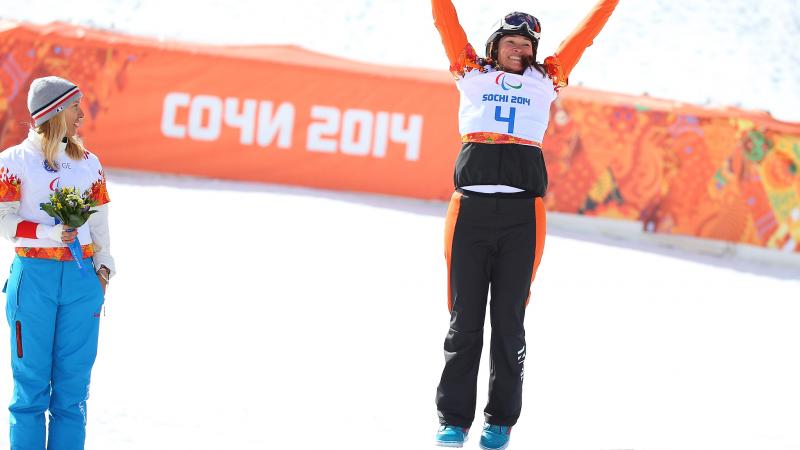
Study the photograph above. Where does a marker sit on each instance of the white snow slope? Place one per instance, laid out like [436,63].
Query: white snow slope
[262,317]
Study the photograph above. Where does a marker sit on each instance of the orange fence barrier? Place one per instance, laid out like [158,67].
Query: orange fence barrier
[281,114]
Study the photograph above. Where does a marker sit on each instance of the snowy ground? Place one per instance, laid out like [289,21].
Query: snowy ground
[308,319]
[711,52]
[295,318]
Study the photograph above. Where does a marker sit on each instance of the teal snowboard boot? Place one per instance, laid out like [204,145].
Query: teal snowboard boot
[495,437]
[451,436]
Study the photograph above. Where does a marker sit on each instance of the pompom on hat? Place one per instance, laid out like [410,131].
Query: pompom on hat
[49,96]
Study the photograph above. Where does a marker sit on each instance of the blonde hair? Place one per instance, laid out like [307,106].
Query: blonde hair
[52,133]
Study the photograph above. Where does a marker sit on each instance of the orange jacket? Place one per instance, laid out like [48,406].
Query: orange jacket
[462,56]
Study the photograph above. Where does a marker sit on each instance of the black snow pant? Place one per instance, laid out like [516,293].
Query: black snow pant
[490,243]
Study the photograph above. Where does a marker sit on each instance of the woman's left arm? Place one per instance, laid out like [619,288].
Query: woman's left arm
[571,49]
[101,239]
[98,224]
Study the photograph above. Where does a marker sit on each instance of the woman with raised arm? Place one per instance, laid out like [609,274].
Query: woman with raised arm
[495,226]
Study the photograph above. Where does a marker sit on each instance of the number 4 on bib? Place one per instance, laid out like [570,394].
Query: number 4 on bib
[508,119]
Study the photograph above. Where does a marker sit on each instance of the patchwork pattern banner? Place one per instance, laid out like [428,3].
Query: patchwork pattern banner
[281,114]
[729,175]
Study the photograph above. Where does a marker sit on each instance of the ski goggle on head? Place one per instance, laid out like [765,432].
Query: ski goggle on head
[517,21]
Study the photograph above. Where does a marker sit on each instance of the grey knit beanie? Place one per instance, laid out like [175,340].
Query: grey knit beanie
[48,96]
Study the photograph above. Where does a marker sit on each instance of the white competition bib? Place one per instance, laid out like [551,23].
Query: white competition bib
[501,103]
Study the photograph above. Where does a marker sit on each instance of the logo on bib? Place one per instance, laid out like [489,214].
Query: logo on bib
[55,184]
[501,81]
[48,168]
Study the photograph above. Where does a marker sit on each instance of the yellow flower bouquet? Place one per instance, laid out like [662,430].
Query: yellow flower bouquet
[72,209]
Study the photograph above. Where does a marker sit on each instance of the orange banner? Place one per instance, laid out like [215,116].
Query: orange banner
[273,114]
[729,174]
[281,114]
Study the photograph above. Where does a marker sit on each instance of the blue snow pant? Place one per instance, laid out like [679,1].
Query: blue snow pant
[54,314]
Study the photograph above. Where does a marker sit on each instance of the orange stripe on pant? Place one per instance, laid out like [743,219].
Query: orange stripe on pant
[449,229]
[541,230]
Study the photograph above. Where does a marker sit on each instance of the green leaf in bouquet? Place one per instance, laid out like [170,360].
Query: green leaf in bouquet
[75,220]
[48,208]
[69,207]
[51,211]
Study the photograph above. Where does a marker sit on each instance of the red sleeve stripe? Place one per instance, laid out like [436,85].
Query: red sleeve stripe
[26,229]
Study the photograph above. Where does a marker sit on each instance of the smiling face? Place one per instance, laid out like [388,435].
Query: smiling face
[73,115]
[514,52]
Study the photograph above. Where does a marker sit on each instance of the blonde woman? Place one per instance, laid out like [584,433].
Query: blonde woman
[53,308]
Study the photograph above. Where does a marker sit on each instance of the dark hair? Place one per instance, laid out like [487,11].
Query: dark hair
[491,56]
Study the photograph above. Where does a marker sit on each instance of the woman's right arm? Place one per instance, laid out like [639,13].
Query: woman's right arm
[454,39]
[12,226]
